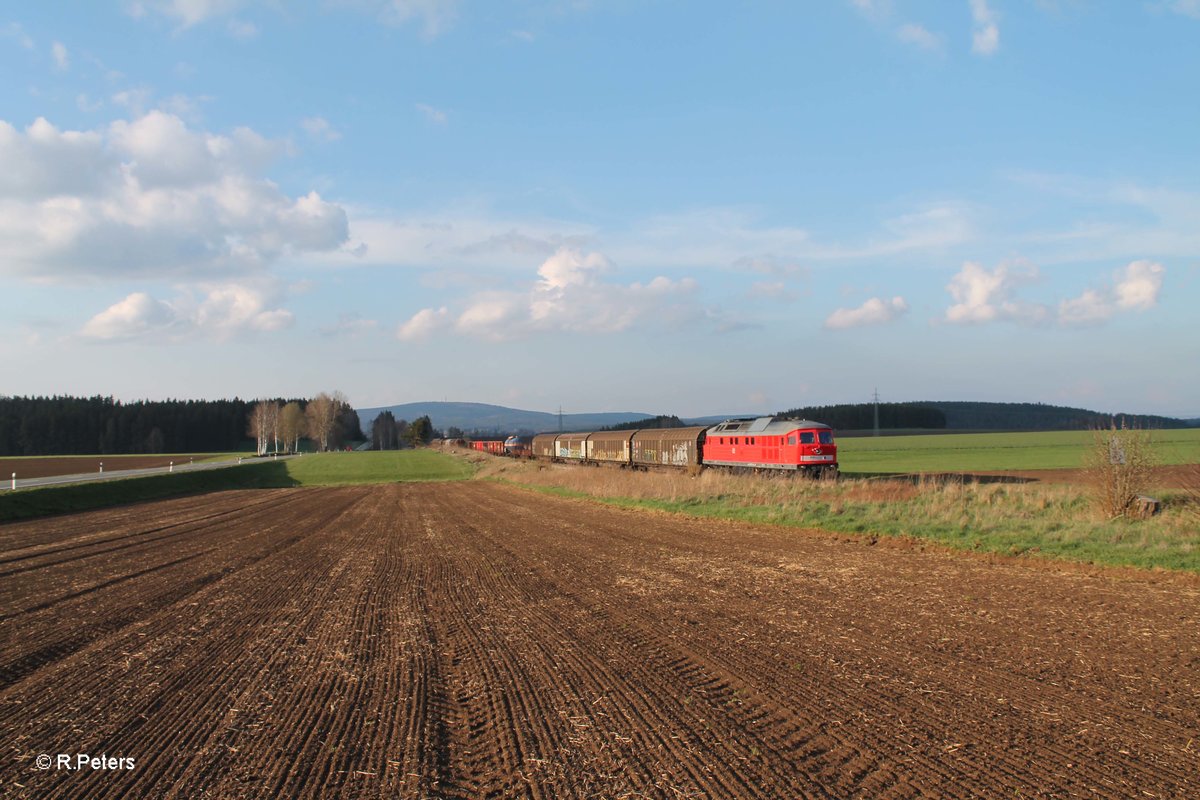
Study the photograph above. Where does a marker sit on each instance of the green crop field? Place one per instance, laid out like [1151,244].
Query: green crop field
[982,452]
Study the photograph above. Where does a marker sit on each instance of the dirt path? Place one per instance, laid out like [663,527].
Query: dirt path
[469,640]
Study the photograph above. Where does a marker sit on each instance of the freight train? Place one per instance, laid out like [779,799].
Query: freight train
[763,444]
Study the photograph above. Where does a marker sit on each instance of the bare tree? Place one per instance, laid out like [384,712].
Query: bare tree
[321,415]
[272,420]
[291,426]
[260,426]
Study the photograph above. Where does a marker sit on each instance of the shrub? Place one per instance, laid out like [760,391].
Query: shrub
[1119,466]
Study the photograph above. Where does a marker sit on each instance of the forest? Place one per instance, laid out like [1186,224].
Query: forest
[62,425]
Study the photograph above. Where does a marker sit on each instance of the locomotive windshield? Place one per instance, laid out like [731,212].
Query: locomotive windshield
[826,437]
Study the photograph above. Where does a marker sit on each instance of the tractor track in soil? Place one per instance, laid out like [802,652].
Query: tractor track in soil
[472,640]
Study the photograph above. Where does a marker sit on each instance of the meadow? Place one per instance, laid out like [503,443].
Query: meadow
[985,452]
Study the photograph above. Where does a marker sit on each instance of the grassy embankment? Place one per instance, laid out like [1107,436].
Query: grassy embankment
[326,469]
[1036,519]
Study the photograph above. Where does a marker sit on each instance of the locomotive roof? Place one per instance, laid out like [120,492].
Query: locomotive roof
[764,425]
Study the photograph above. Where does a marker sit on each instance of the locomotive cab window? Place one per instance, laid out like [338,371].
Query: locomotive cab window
[807,437]
[826,437]
[792,439]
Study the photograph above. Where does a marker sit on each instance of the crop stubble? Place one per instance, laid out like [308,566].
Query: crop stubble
[471,640]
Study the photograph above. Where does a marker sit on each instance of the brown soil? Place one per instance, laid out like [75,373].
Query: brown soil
[50,466]
[473,640]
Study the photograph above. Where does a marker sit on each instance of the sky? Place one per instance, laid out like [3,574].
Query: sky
[667,207]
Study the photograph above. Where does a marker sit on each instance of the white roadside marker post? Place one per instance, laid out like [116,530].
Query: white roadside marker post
[102,467]
[14,483]
[171,467]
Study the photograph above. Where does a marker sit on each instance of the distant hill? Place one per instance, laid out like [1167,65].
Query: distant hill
[489,419]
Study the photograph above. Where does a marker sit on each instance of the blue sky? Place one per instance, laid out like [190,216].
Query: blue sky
[681,207]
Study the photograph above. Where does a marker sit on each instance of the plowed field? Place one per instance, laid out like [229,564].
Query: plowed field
[470,640]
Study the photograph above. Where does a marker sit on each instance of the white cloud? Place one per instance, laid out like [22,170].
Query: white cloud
[987,296]
[1137,288]
[319,128]
[569,295]
[62,59]
[432,114]
[424,323]
[919,36]
[222,312]
[985,37]
[137,315]
[983,296]
[1089,308]
[873,312]
[150,197]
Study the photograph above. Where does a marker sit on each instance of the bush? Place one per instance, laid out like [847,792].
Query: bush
[1119,466]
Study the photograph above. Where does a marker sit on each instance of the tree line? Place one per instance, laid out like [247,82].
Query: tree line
[64,425]
[861,416]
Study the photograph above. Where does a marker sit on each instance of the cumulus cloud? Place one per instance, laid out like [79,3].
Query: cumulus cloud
[986,296]
[423,324]
[1138,285]
[1134,288]
[875,311]
[985,37]
[150,197]
[569,295]
[221,312]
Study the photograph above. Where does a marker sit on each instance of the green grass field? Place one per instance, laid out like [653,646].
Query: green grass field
[389,466]
[325,469]
[982,452]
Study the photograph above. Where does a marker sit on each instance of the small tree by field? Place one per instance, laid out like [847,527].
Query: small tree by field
[291,426]
[420,431]
[320,416]
[1119,466]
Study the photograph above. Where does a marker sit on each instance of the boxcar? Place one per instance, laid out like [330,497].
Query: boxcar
[609,447]
[543,445]
[667,447]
